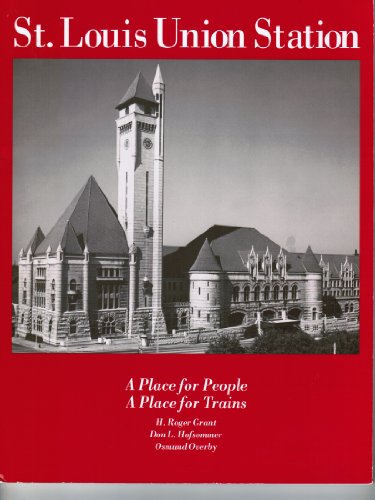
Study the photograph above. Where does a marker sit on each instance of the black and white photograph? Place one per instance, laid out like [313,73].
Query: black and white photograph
[185,206]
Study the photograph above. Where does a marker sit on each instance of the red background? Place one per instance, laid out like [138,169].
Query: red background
[308,419]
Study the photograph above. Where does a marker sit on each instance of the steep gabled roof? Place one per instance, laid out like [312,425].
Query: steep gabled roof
[69,243]
[35,241]
[228,244]
[88,220]
[335,261]
[303,262]
[139,89]
[310,262]
[206,260]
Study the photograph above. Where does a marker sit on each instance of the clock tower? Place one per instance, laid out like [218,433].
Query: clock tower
[140,168]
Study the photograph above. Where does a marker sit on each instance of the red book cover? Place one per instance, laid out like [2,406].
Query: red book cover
[187,221]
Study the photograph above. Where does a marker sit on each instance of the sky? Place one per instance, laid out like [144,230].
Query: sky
[267,144]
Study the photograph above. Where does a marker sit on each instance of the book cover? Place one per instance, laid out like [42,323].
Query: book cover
[187,225]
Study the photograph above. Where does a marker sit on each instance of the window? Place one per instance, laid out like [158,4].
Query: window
[266,293]
[108,326]
[236,293]
[351,308]
[53,285]
[208,296]
[276,291]
[208,283]
[184,319]
[40,294]
[41,272]
[257,293]
[199,290]
[108,296]
[22,318]
[246,294]
[294,292]
[39,324]
[127,110]
[72,295]
[208,318]
[199,314]
[50,326]
[285,292]
[314,314]
[73,327]
[346,308]
[24,292]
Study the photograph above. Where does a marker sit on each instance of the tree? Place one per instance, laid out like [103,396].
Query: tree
[274,341]
[226,344]
[346,343]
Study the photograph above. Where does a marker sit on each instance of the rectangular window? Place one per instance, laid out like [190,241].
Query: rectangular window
[208,296]
[208,318]
[199,314]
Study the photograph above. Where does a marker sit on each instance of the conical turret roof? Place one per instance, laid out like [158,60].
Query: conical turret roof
[206,260]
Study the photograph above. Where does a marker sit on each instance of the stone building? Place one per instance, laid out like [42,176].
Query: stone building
[232,275]
[73,283]
[99,274]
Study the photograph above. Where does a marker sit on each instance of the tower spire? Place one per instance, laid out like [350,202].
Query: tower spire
[158,76]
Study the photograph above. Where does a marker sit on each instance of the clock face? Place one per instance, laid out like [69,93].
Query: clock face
[147,143]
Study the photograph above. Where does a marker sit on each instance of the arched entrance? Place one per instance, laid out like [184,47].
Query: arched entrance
[295,313]
[236,318]
[268,314]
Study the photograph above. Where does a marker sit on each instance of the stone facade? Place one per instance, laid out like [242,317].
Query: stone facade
[101,275]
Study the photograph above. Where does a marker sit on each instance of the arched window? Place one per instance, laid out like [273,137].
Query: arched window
[276,291]
[72,327]
[267,292]
[246,294]
[39,324]
[53,285]
[285,292]
[351,308]
[236,294]
[50,326]
[257,293]
[294,292]
[108,326]
[73,285]
[184,318]
[314,314]
[22,318]
[346,308]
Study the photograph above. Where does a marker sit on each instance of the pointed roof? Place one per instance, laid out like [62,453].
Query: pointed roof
[158,76]
[139,89]
[35,241]
[206,260]
[310,262]
[69,242]
[88,220]
[230,245]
